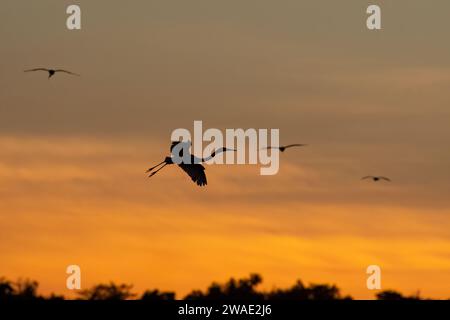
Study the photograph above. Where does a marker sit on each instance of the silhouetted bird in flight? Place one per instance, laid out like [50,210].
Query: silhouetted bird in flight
[376,178]
[193,168]
[51,72]
[282,148]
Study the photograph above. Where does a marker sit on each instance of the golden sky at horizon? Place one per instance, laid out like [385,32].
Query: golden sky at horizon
[73,151]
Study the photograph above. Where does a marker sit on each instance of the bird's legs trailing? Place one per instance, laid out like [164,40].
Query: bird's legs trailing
[154,167]
[155,172]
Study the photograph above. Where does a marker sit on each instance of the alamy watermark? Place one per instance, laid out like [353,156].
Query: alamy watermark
[250,146]
[73,281]
[73,21]
[374,280]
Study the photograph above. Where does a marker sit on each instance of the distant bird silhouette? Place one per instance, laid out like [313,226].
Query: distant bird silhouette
[282,148]
[376,178]
[194,168]
[51,72]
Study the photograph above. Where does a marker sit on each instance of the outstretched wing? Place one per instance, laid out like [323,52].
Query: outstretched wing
[295,145]
[36,69]
[196,171]
[65,71]
[367,177]
[288,146]
[384,178]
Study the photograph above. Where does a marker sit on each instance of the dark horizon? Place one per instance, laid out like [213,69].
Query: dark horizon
[233,289]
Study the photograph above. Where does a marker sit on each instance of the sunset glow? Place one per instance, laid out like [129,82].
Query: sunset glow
[73,151]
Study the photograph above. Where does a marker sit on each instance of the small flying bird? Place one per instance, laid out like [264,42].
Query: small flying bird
[51,72]
[376,178]
[282,148]
[194,168]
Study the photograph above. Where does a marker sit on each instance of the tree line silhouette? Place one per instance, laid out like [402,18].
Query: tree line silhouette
[233,289]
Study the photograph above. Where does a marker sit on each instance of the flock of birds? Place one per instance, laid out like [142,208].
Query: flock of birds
[194,168]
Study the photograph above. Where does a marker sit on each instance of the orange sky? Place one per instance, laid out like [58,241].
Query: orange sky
[73,151]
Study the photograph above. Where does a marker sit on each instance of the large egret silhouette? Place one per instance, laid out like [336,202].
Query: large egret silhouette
[376,178]
[51,72]
[193,168]
[282,148]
